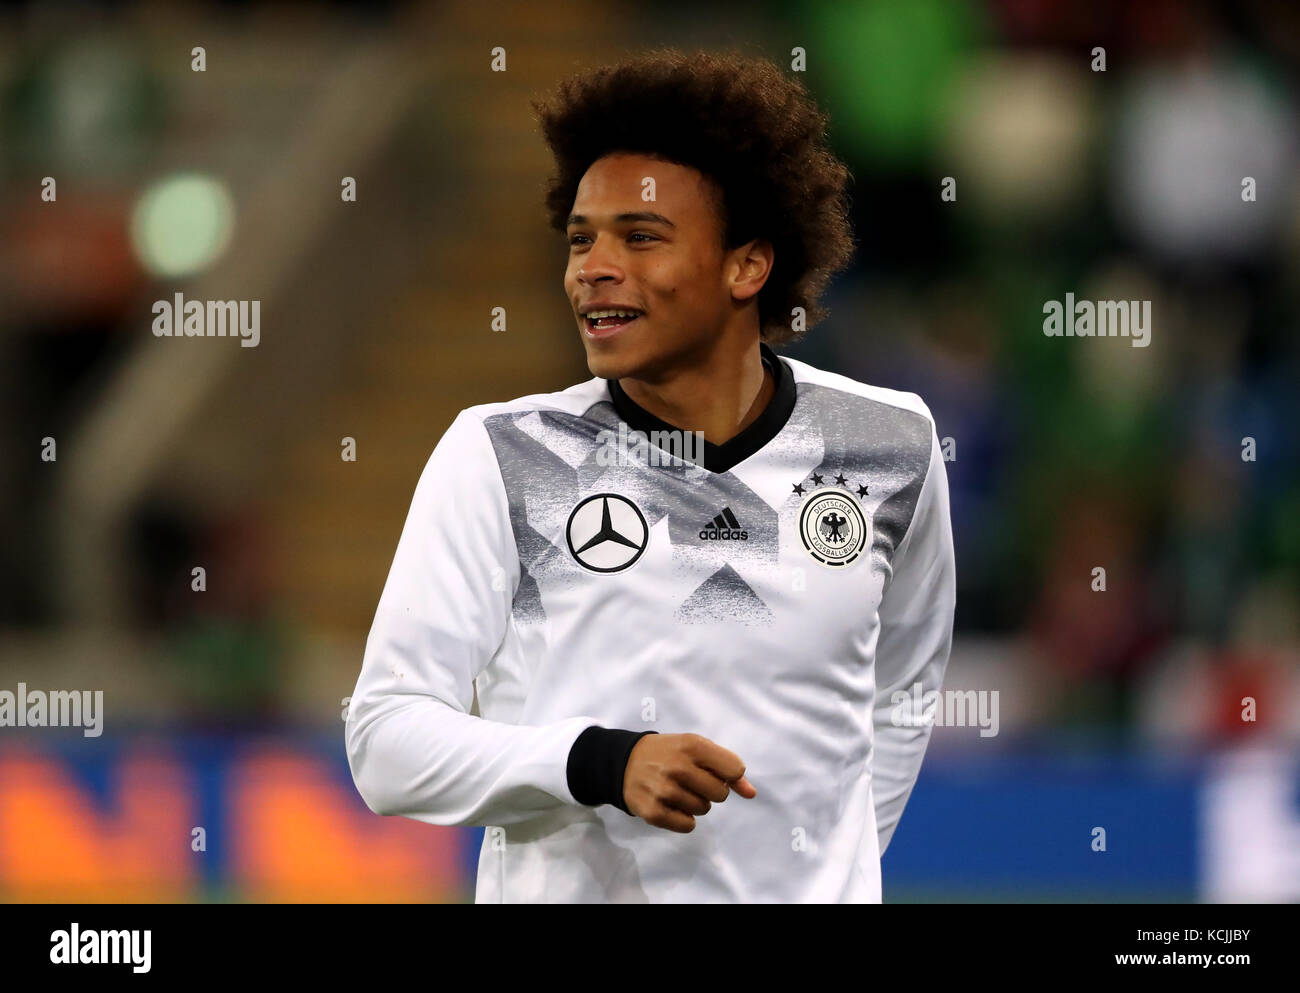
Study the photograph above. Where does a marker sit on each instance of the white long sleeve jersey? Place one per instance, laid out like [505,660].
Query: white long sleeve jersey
[772,595]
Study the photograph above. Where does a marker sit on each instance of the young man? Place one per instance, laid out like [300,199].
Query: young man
[596,630]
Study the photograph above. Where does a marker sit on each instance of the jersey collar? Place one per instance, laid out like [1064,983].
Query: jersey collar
[721,458]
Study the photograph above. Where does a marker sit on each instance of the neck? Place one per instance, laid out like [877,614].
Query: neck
[720,396]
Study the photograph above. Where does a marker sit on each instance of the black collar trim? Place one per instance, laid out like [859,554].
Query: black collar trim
[721,458]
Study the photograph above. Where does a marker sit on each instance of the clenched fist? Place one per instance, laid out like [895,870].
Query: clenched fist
[671,779]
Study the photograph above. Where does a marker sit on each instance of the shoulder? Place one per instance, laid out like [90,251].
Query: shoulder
[904,402]
[512,430]
[575,400]
[490,445]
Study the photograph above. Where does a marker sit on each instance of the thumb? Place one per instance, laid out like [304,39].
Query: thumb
[744,787]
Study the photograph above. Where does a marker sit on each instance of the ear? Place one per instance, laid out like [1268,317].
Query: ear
[749,266]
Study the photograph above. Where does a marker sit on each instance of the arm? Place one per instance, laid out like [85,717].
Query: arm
[413,746]
[916,614]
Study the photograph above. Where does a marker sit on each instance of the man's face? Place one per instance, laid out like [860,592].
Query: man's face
[664,260]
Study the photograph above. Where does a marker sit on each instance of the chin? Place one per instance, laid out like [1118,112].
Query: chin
[609,366]
[610,363]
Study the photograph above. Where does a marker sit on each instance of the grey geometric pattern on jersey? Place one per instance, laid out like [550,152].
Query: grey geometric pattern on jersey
[548,462]
[886,447]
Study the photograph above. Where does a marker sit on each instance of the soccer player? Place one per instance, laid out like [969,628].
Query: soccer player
[703,572]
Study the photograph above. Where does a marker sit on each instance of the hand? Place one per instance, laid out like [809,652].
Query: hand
[671,779]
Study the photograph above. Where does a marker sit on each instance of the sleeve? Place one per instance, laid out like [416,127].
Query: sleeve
[915,638]
[413,746]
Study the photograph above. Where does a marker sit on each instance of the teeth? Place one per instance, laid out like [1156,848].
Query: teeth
[597,314]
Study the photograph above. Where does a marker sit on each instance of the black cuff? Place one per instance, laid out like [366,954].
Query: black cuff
[597,762]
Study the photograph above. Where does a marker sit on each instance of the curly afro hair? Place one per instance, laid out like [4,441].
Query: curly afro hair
[741,122]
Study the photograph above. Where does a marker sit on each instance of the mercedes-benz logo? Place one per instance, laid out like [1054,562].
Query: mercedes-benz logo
[607,533]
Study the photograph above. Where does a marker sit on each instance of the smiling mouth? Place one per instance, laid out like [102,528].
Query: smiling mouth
[601,326]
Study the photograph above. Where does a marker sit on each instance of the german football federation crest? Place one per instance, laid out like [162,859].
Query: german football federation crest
[832,526]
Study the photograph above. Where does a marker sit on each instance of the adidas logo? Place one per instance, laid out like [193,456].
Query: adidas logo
[724,527]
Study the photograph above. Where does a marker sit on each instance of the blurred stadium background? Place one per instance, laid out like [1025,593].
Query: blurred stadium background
[1119,709]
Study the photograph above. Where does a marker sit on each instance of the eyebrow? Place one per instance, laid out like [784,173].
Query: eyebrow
[623,219]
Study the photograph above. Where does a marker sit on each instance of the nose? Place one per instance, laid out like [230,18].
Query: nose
[598,265]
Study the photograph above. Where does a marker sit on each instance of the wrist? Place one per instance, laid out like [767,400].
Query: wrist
[597,764]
